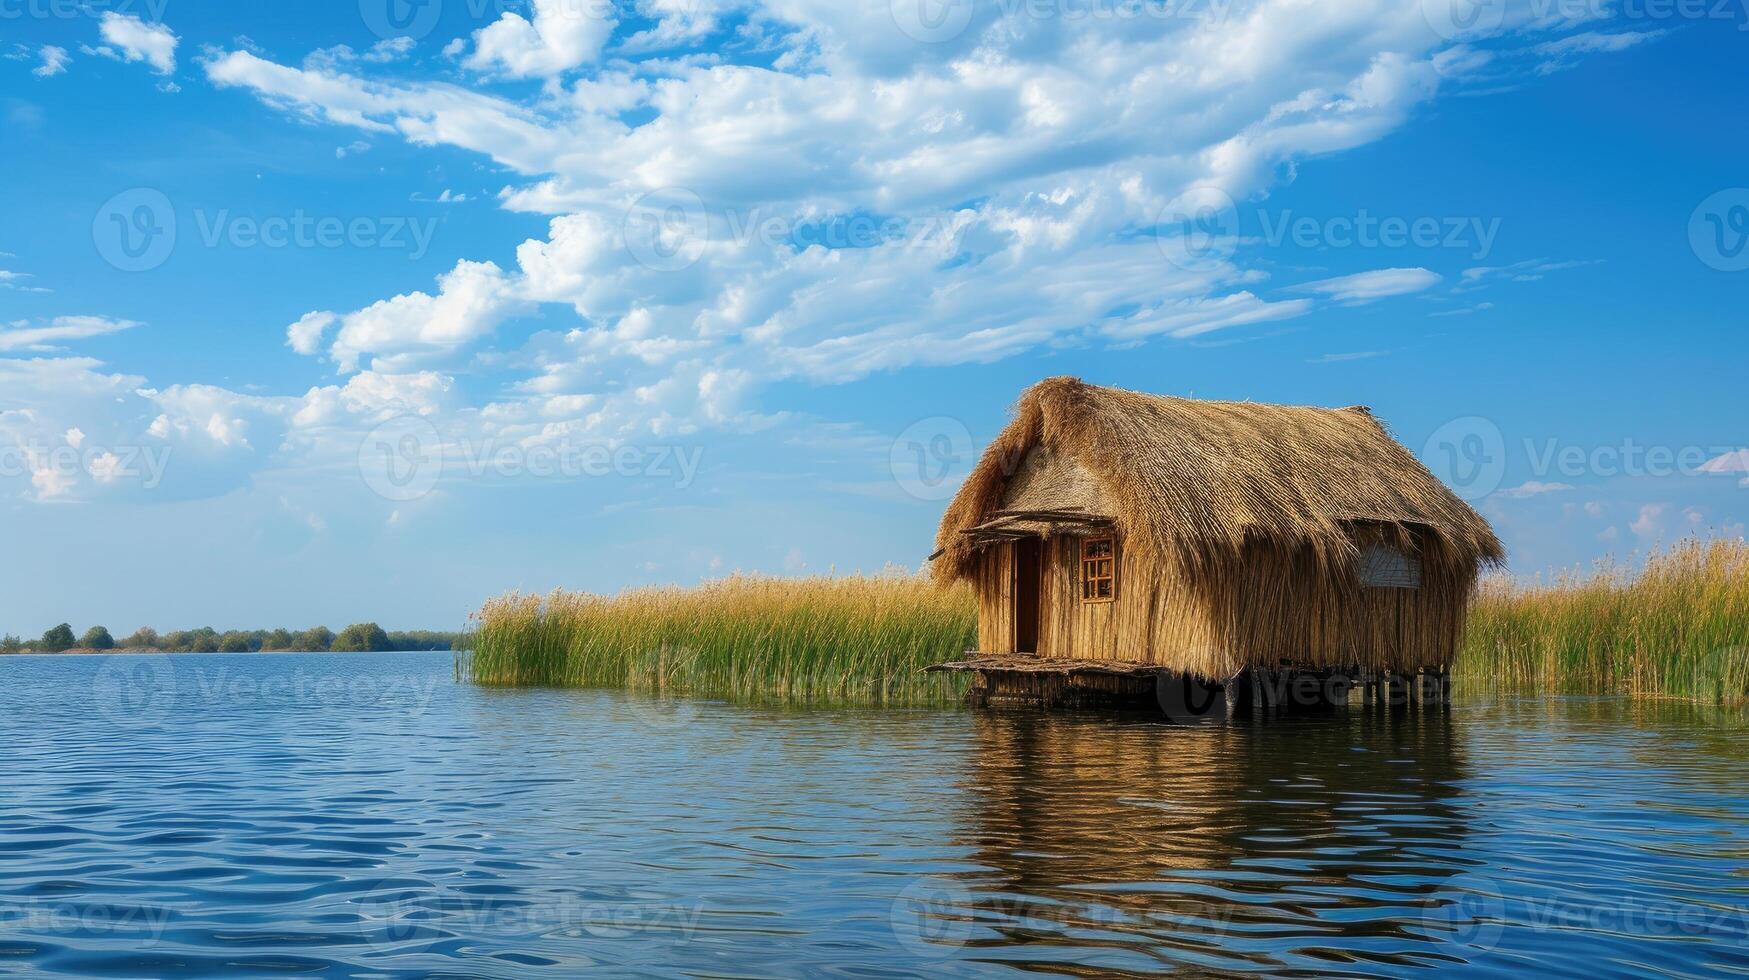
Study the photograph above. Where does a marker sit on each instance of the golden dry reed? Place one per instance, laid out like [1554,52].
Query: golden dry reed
[855,640]
[1679,627]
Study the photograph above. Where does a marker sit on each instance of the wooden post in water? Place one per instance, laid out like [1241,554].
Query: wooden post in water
[1398,691]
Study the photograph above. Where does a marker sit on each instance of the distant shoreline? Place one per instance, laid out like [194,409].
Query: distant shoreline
[209,653]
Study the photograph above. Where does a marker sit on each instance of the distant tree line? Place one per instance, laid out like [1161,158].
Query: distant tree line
[357,638]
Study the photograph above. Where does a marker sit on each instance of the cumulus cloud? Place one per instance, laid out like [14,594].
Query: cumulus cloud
[1650,522]
[470,301]
[131,39]
[564,34]
[305,336]
[853,201]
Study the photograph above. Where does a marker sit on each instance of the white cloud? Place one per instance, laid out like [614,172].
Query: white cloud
[54,62]
[305,336]
[16,281]
[1359,355]
[564,34]
[137,40]
[383,52]
[1735,461]
[1650,522]
[1563,52]
[1364,287]
[1464,310]
[470,302]
[1532,488]
[446,197]
[370,398]
[351,149]
[1013,177]
[40,336]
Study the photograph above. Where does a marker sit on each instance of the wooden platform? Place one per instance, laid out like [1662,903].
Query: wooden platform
[1017,679]
[999,679]
[1043,665]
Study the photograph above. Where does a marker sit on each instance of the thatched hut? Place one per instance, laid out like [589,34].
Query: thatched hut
[1145,534]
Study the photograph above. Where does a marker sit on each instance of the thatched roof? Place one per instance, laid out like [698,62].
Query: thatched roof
[1199,481]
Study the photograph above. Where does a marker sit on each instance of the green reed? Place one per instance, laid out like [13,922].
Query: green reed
[853,640]
[1679,627]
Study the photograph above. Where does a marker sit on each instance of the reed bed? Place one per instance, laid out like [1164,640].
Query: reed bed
[853,640]
[1677,627]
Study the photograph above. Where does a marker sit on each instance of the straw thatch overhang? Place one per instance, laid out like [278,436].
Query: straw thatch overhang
[1204,485]
[1008,525]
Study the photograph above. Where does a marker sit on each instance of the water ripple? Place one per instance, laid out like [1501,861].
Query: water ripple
[366,816]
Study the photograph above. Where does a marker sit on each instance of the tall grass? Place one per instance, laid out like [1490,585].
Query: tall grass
[1678,627]
[861,639]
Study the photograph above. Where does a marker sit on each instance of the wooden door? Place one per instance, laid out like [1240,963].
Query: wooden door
[1028,575]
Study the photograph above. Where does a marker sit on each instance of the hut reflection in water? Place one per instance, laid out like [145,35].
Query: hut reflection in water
[1125,845]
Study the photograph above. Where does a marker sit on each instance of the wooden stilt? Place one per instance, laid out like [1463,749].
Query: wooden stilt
[1397,688]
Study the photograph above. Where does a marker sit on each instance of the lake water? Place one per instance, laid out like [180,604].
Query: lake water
[366,815]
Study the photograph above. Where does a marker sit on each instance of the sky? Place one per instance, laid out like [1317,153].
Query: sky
[319,313]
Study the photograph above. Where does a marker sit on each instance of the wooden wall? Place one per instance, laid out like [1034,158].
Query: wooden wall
[996,600]
[1153,618]
[1274,608]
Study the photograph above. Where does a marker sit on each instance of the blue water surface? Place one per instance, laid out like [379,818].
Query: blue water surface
[367,815]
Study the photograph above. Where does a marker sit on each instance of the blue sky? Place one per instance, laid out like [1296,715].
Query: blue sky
[670,288]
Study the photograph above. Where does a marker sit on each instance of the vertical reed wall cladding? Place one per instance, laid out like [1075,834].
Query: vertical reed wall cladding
[1243,530]
[996,599]
[1270,608]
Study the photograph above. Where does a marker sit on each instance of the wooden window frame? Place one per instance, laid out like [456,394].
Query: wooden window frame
[1091,570]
